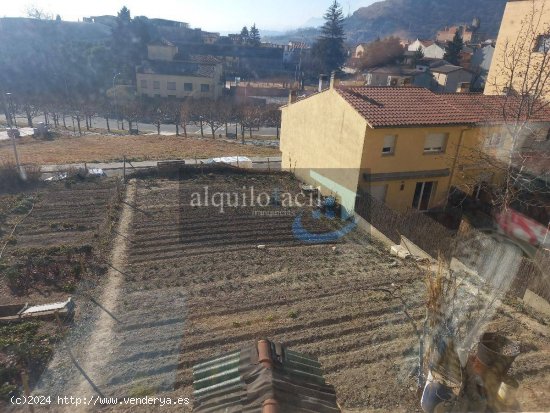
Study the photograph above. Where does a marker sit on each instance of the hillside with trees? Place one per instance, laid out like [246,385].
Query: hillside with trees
[410,19]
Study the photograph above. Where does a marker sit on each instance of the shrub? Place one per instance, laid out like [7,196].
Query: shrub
[23,206]
[293,314]
[11,180]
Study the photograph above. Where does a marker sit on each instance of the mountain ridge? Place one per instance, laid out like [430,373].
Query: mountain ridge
[410,19]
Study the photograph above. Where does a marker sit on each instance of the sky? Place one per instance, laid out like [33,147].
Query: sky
[210,15]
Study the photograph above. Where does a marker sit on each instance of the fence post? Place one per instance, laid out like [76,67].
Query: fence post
[26,388]
[268,166]
[124,168]
[238,161]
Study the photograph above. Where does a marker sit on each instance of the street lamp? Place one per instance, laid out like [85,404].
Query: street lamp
[114,91]
[12,133]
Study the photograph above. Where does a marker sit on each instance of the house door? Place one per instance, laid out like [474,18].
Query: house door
[378,192]
[422,195]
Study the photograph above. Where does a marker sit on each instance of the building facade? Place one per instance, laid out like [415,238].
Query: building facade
[524,28]
[447,34]
[362,139]
[450,78]
[168,74]
[406,147]
[429,48]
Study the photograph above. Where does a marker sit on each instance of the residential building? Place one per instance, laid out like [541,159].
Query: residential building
[294,52]
[360,50]
[466,55]
[210,38]
[239,60]
[397,76]
[168,73]
[405,146]
[448,33]
[450,78]
[515,24]
[390,142]
[480,65]
[429,48]
[489,141]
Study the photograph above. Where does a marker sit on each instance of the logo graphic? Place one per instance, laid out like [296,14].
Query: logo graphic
[329,205]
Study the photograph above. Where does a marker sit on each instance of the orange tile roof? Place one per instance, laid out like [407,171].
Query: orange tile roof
[498,109]
[399,107]
[384,107]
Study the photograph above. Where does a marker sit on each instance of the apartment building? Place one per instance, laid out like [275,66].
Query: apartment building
[168,73]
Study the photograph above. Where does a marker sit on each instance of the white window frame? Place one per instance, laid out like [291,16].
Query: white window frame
[144,83]
[431,148]
[423,188]
[168,84]
[391,146]
[207,87]
[543,44]
[156,84]
[494,141]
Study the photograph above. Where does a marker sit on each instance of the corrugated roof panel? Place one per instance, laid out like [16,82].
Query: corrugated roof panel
[245,381]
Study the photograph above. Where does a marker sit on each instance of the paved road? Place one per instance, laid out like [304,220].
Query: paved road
[147,128]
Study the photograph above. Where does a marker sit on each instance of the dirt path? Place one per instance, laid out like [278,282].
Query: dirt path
[96,356]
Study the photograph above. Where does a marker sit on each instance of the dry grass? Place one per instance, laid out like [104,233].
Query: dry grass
[111,148]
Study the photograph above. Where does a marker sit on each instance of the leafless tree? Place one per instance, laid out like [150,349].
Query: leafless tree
[199,110]
[250,116]
[158,110]
[523,77]
[214,115]
[272,117]
[133,110]
[104,109]
[34,12]
[186,114]
[28,104]
[173,112]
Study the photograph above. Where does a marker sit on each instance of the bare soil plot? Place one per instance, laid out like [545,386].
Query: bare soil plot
[314,298]
[56,250]
[94,148]
[192,284]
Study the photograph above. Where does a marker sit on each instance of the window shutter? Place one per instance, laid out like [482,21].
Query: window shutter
[435,142]
[389,144]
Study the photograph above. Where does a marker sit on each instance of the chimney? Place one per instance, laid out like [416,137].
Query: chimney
[321,77]
[332,76]
[292,95]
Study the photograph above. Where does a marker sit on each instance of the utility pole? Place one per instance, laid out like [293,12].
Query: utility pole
[12,132]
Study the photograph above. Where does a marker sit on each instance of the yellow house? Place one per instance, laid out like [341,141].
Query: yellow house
[522,46]
[167,73]
[391,142]
[406,147]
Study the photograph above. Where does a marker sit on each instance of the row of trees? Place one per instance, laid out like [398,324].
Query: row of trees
[209,115]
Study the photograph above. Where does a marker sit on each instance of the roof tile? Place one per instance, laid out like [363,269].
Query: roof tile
[411,106]
[383,106]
